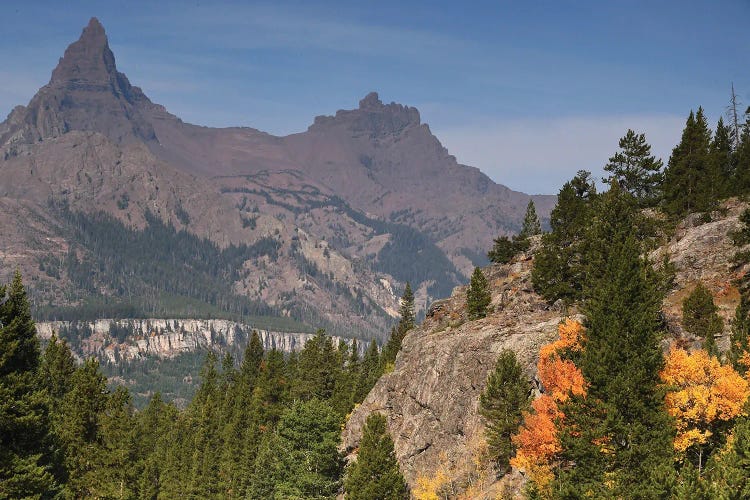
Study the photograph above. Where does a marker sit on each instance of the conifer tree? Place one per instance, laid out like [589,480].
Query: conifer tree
[742,159]
[739,339]
[687,179]
[502,404]
[722,162]
[303,454]
[25,471]
[478,296]
[369,373]
[375,474]
[635,169]
[406,322]
[153,424]
[619,435]
[271,391]
[730,471]
[79,429]
[116,478]
[318,368]
[558,267]
[205,419]
[503,250]
[240,430]
[350,376]
[700,317]
[56,371]
[531,225]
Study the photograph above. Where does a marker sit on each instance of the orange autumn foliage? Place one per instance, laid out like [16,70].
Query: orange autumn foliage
[560,377]
[537,439]
[703,392]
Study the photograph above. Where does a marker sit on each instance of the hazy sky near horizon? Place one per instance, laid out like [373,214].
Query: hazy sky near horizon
[529,92]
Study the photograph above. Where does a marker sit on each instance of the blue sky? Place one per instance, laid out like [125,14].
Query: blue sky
[529,92]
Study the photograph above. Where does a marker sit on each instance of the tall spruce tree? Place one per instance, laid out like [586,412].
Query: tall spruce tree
[635,169]
[79,430]
[406,322]
[722,162]
[700,317]
[375,474]
[478,296]
[502,404]
[558,267]
[25,469]
[742,158]
[504,248]
[688,178]
[304,452]
[531,225]
[739,342]
[369,372]
[617,440]
[739,339]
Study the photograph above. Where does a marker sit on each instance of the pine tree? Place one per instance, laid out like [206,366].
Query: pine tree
[478,296]
[305,455]
[739,339]
[153,424]
[318,367]
[375,474]
[531,225]
[205,418]
[406,322]
[558,267]
[369,372]
[502,404]
[635,169]
[25,470]
[271,391]
[687,179]
[116,478]
[616,437]
[730,471]
[79,429]
[503,250]
[722,162]
[700,317]
[56,371]
[742,159]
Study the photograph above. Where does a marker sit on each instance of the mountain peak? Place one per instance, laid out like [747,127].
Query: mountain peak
[372,117]
[87,59]
[85,92]
[371,100]
[94,27]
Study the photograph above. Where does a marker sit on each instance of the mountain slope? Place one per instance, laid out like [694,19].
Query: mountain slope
[354,207]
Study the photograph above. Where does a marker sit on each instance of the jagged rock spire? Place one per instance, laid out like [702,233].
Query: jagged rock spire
[88,59]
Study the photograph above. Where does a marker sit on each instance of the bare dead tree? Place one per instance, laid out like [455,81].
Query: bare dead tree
[733,117]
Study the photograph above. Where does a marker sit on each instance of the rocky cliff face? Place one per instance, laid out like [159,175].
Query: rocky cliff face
[167,338]
[431,398]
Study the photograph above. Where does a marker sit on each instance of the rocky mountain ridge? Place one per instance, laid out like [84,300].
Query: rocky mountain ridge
[356,206]
[431,397]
